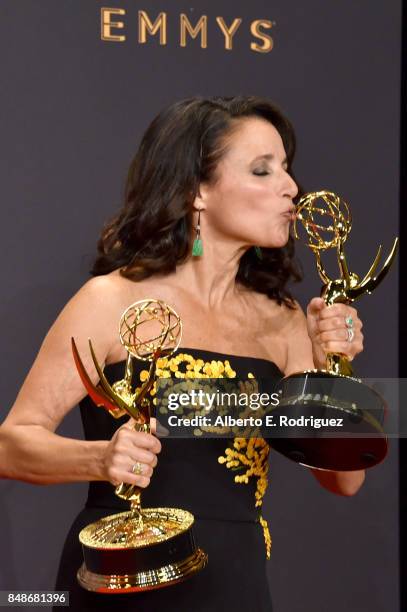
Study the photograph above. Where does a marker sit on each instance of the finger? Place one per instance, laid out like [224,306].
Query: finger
[336,322]
[335,346]
[341,334]
[143,469]
[138,454]
[315,306]
[339,310]
[161,430]
[145,458]
[117,476]
[350,349]
[126,464]
[125,450]
[146,440]
[331,323]
[334,335]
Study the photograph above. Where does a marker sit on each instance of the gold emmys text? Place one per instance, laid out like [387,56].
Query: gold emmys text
[113,29]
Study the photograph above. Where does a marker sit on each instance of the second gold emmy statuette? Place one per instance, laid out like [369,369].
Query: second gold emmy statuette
[359,440]
[143,548]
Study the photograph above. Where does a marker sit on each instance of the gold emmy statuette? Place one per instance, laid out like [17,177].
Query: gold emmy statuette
[143,548]
[334,393]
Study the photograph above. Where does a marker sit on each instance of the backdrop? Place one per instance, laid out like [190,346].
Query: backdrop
[77,92]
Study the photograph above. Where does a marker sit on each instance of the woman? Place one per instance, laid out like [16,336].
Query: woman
[216,170]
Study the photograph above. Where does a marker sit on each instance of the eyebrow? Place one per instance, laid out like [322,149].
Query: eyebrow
[270,156]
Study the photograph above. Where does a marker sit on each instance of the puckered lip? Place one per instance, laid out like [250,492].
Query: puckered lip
[290,212]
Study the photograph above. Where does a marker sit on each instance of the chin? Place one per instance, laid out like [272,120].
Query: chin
[279,242]
[277,236]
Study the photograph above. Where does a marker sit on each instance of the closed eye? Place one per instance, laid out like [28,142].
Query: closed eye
[260,173]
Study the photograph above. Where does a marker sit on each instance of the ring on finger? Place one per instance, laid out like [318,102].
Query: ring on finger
[349,322]
[137,468]
[351,334]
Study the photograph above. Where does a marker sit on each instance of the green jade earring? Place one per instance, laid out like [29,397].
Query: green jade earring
[197,248]
[258,252]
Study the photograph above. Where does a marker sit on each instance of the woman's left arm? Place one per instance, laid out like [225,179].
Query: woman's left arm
[311,337]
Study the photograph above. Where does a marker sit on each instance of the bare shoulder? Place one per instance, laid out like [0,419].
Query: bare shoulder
[93,312]
[92,306]
[52,386]
[98,306]
[108,289]
[109,294]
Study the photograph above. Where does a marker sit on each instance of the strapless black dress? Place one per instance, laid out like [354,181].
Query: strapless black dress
[191,474]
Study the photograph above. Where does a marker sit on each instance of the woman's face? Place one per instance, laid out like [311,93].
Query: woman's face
[251,203]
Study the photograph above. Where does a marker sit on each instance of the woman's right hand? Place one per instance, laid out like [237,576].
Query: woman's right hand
[125,449]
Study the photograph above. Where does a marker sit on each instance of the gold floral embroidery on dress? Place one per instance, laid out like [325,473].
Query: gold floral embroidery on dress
[250,455]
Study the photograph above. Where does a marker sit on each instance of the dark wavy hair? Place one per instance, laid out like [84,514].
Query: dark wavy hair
[180,149]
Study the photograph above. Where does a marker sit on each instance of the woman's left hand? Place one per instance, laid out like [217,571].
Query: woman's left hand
[328,330]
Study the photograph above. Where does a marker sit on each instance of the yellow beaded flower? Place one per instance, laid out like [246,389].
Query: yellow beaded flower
[248,455]
[251,455]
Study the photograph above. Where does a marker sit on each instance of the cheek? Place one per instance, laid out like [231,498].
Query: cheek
[247,196]
[243,206]
[256,190]
[244,209]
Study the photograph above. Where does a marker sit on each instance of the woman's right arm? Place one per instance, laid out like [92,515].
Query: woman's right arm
[30,450]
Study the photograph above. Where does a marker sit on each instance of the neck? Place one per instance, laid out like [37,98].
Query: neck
[212,276]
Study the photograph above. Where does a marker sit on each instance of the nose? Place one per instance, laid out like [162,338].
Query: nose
[290,188]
